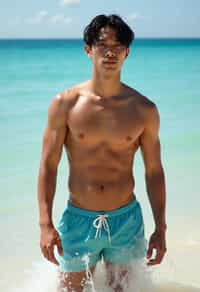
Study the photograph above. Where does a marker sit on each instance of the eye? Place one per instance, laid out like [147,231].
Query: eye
[119,47]
[100,45]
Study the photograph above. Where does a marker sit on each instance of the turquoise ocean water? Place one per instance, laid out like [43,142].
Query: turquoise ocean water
[32,72]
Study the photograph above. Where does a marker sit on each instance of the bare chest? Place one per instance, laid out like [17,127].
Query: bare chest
[115,123]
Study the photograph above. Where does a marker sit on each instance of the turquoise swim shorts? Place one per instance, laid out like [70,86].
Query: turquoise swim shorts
[88,236]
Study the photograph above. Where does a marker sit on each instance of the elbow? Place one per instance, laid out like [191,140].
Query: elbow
[153,172]
[47,168]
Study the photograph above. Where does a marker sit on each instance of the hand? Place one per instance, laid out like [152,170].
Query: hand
[49,238]
[157,242]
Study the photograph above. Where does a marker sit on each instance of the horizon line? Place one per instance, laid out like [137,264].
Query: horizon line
[79,38]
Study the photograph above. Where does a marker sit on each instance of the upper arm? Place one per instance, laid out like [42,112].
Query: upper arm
[55,133]
[149,141]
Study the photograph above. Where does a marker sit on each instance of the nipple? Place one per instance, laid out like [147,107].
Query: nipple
[81,135]
[128,138]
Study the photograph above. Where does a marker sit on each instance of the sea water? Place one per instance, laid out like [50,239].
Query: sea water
[32,72]
[43,277]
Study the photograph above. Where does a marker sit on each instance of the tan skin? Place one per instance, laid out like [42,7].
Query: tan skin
[101,123]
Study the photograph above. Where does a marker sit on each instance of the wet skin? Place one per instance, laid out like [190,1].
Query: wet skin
[101,139]
[101,123]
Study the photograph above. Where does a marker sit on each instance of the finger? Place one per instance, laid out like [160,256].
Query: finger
[59,246]
[154,262]
[52,256]
[150,250]
[158,258]
[45,252]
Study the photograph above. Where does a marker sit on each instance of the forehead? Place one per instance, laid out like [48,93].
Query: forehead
[107,33]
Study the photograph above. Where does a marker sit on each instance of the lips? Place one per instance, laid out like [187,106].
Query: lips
[112,62]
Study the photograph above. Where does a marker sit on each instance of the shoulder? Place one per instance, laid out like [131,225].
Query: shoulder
[61,104]
[147,108]
[149,113]
[139,98]
[64,100]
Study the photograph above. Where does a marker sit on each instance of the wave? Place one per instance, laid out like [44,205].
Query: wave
[43,277]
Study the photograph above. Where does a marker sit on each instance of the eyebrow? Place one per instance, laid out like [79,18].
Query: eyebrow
[103,41]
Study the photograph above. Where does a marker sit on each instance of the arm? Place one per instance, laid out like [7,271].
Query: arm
[155,182]
[53,141]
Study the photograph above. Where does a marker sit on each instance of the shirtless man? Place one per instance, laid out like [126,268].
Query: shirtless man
[101,123]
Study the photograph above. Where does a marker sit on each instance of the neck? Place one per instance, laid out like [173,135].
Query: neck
[106,85]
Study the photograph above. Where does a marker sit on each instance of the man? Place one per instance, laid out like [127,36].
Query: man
[101,123]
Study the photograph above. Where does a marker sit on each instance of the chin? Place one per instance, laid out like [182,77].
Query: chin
[110,67]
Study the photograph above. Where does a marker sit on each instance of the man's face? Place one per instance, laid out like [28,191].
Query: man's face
[107,54]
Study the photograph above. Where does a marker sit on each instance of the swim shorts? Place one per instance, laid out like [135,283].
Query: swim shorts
[88,236]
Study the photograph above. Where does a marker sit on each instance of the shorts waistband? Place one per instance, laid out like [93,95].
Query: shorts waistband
[79,211]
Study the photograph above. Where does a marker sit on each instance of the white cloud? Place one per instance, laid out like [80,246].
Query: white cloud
[60,19]
[70,2]
[133,16]
[40,17]
[43,17]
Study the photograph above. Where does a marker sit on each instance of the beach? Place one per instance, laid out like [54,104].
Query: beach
[32,72]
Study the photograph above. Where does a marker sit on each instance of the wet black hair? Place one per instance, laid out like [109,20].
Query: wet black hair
[124,33]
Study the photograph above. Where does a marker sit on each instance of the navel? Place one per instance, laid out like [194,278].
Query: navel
[81,135]
[102,188]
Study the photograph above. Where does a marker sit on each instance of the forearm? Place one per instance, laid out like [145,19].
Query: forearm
[46,192]
[155,183]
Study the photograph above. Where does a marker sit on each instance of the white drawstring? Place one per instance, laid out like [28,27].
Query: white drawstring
[99,222]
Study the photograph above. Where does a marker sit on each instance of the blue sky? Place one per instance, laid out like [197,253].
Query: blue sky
[67,18]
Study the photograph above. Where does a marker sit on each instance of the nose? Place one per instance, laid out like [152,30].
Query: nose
[110,53]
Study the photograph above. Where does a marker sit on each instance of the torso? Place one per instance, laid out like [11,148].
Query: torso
[102,139]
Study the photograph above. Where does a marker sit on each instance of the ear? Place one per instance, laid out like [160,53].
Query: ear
[127,52]
[87,50]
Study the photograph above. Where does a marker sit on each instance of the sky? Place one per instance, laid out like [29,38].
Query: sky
[67,18]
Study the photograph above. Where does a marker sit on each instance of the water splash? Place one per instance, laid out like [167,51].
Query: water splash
[135,278]
[43,277]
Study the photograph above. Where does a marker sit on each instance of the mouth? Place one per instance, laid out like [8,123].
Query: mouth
[110,62]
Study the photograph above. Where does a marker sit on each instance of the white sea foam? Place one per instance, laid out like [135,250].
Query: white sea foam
[43,277]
